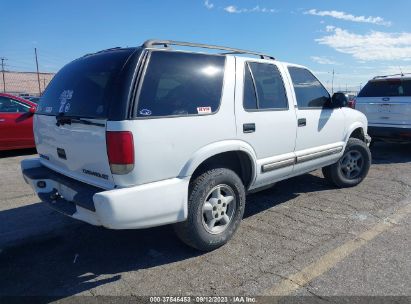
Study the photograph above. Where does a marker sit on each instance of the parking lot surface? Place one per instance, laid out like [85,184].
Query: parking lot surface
[301,237]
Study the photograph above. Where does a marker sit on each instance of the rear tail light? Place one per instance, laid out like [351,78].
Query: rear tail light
[351,103]
[405,134]
[120,151]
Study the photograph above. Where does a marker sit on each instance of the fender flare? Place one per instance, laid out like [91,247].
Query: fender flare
[213,149]
[353,127]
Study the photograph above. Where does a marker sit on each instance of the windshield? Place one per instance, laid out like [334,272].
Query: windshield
[84,87]
[386,88]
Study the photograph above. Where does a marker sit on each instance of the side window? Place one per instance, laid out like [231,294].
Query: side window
[179,84]
[8,105]
[309,92]
[249,97]
[268,84]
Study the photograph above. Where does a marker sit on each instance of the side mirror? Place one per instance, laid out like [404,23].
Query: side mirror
[32,110]
[339,100]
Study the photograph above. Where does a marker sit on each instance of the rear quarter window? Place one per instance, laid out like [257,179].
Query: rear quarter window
[181,84]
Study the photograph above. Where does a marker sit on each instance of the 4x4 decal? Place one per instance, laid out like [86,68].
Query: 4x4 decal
[65,96]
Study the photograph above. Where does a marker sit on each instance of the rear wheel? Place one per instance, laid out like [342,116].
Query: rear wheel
[352,167]
[215,209]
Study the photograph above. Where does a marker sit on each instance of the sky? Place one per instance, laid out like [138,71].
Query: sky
[356,39]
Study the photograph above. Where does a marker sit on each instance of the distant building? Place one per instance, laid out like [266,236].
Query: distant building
[24,82]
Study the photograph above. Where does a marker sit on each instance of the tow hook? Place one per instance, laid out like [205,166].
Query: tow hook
[55,196]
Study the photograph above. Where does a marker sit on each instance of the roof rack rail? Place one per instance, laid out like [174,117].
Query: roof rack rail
[167,43]
[399,74]
[102,51]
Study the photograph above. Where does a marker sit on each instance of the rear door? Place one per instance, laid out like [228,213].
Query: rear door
[265,117]
[386,102]
[81,94]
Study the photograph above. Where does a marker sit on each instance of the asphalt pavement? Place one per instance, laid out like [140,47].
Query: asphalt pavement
[301,237]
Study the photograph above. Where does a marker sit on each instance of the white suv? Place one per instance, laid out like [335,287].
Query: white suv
[147,136]
[386,101]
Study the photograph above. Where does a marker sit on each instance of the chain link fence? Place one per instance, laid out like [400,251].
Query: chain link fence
[24,83]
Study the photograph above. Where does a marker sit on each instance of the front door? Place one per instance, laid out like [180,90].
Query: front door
[320,128]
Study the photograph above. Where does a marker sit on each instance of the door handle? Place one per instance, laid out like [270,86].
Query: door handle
[249,127]
[2,120]
[302,122]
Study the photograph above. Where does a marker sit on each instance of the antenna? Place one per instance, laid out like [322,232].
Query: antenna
[402,74]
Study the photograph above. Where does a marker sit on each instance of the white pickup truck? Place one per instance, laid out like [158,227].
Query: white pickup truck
[140,137]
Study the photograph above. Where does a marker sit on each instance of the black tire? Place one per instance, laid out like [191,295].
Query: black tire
[337,173]
[193,231]
[327,172]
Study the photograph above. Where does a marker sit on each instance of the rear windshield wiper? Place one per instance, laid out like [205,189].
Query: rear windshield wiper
[68,120]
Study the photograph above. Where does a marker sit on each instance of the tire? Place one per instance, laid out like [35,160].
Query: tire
[327,173]
[352,167]
[205,204]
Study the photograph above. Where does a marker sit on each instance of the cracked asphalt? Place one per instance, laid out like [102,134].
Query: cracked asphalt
[286,228]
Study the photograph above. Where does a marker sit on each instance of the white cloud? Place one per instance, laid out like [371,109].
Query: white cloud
[323,60]
[208,4]
[371,46]
[329,28]
[348,17]
[232,9]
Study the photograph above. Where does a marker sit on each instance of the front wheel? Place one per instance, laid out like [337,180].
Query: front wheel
[352,167]
[215,209]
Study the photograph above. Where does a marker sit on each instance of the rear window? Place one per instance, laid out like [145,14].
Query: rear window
[181,84]
[84,87]
[386,88]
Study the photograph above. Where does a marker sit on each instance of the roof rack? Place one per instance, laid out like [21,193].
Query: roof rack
[102,51]
[167,43]
[385,76]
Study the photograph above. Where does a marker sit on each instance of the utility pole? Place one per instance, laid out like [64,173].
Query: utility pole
[37,66]
[332,84]
[2,71]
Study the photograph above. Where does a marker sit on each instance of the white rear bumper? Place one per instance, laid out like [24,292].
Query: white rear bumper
[148,205]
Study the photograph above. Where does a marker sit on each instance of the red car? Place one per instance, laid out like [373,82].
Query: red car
[16,122]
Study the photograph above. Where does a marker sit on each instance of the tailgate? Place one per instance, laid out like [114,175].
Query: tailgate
[386,110]
[70,121]
[75,150]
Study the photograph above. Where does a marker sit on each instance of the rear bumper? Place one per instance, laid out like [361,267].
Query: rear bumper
[143,206]
[390,133]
